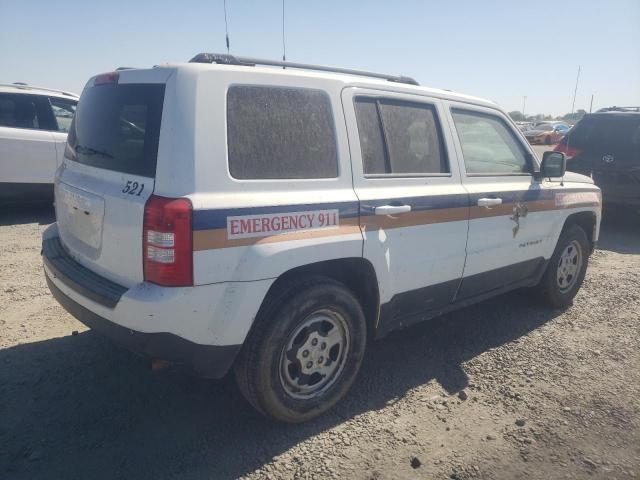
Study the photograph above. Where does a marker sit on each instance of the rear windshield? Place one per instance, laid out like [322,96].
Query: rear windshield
[605,131]
[117,127]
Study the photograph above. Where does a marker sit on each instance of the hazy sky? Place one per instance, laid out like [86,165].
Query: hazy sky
[499,50]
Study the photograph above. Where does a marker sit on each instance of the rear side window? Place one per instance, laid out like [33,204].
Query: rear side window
[399,137]
[279,133]
[117,127]
[489,146]
[22,111]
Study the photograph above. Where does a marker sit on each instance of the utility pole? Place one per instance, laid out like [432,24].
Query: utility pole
[524,99]
[591,104]
[573,105]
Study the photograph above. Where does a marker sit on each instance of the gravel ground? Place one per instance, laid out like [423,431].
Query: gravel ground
[506,390]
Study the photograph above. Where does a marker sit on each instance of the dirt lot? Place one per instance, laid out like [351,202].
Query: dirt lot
[548,393]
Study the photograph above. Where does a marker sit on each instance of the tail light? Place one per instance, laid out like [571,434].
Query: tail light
[568,151]
[106,79]
[167,241]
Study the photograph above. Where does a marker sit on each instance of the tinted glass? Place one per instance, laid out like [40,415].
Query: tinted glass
[117,127]
[371,138]
[413,139]
[488,144]
[277,132]
[404,139]
[607,133]
[20,111]
[63,111]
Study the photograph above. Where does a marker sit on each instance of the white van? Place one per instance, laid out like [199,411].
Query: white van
[223,213]
[34,122]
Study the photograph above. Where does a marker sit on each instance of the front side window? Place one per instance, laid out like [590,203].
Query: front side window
[20,111]
[63,111]
[280,133]
[489,147]
[399,137]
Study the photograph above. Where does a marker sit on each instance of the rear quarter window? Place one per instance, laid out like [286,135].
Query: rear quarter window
[280,133]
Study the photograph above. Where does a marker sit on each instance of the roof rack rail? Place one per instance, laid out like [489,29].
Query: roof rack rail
[224,59]
[619,109]
[26,86]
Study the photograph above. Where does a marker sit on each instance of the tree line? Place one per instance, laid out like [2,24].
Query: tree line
[517,116]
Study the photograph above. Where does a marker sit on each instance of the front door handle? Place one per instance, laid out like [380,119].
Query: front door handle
[392,209]
[489,202]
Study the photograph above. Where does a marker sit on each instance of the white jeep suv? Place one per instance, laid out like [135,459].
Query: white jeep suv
[34,123]
[226,214]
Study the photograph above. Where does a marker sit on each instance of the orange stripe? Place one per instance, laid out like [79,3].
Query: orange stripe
[217,238]
[412,219]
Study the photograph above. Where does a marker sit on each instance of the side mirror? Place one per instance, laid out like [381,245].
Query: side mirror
[554,165]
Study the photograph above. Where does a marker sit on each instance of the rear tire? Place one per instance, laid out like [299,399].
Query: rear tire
[304,350]
[566,269]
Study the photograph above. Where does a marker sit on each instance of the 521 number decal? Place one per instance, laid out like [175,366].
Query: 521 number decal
[133,188]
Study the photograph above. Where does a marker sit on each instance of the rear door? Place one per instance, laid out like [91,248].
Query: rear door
[509,229]
[413,208]
[109,172]
[27,150]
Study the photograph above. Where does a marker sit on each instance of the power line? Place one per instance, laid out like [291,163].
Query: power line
[284,46]
[575,91]
[226,26]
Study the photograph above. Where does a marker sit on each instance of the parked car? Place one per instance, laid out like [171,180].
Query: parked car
[606,146]
[546,133]
[524,126]
[34,123]
[272,221]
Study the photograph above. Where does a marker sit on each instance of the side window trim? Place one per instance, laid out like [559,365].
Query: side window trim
[516,135]
[385,141]
[378,99]
[56,124]
[49,122]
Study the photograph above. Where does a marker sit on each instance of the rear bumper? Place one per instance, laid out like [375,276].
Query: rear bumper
[620,196]
[202,327]
[209,361]
[22,193]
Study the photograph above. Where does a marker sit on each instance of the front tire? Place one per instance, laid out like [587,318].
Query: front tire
[567,268]
[304,351]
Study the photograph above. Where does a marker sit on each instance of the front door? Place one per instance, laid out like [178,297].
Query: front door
[413,207]
[509,229]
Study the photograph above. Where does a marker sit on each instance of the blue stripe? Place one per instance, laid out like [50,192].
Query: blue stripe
[424,202]
[210,219]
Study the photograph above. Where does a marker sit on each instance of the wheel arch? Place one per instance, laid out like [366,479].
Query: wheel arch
[356,273]
[587,220]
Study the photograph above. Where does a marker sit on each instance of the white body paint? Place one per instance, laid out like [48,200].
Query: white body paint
[231,282]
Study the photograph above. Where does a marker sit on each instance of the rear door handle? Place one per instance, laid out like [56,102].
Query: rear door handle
[392,209]
[489,202]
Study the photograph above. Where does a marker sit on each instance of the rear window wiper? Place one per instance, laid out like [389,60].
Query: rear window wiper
[91,151]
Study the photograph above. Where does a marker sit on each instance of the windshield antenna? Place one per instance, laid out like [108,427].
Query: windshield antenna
[226,26]
[284,46]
